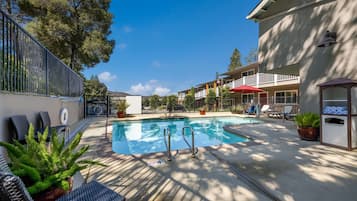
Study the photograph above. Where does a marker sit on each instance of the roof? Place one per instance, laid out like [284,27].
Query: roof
[240,69]
[338,81]
[260,8]
[118,93]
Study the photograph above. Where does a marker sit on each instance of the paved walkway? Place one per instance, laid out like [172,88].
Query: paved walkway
[279,162]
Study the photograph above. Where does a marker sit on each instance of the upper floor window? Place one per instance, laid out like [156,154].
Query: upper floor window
[247,73]
[286,97]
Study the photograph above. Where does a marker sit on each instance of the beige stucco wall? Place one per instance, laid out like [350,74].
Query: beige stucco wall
[11,105]
[291,38]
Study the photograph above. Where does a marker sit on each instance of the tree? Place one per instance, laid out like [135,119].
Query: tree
[211,98]
[164,101]
[235,60]
[252,56]
[146,102]
[189,100]
[226,96]
[94,88]
[76,31]
[154,101]
[171,102]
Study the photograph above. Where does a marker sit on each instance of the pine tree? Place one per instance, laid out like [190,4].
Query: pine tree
[76,31]
[235,60]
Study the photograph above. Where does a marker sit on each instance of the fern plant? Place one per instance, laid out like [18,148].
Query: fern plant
[308,119]
[44,165]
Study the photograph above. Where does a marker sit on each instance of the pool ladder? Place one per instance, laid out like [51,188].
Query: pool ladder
[167,134]
[194,150]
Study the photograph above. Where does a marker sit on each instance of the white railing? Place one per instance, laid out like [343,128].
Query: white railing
[200,94]
[260,79]
[181,96]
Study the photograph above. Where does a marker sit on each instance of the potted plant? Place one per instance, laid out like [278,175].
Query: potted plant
[47,168]
[308,125]
[122,105]
[202,111]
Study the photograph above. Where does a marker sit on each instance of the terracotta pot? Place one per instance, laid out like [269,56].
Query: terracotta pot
[202,112]
[310,133]
[52,194]
[121,114]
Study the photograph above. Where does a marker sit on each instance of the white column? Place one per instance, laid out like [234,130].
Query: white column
[244,80]
[257,80]
[275,79]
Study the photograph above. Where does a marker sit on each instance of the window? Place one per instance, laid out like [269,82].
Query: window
[246,98]
[247,73]
[286,97]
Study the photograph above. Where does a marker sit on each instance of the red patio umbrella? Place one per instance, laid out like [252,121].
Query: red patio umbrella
[246,89]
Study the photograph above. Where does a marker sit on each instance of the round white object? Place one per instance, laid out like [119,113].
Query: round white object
[64,116]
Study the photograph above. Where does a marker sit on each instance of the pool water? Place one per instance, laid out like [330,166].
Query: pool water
[147,136]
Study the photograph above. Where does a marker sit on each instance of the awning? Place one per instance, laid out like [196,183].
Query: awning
[246,89]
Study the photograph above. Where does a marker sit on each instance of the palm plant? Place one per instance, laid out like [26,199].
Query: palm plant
[43,165]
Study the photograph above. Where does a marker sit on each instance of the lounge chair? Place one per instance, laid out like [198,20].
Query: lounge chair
[285,114]
[13,189]
[19,125]
[251,109]
[45,122]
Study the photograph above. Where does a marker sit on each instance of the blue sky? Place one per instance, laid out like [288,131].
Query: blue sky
[166,46]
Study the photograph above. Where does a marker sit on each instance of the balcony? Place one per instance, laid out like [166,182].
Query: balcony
[260,80]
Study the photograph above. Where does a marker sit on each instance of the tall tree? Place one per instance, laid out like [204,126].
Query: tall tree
[76,31]
[154,101]
[211,99]
[252,56]
[94,88]
[235,60]
[171,102]
[189,101]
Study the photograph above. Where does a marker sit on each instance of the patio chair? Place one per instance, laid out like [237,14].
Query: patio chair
[285,114]
[13,189]
[19,126]
[45,122]
[251,109]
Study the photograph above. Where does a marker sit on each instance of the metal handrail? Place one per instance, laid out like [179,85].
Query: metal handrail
[168,145]
[193,149]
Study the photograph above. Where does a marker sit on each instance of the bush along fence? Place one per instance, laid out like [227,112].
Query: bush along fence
[27,67]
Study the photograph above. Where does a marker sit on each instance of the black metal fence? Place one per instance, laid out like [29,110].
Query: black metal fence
[28,67]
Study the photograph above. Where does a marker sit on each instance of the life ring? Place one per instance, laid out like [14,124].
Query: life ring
[64,116]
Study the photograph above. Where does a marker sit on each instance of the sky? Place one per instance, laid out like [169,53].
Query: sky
[163,47]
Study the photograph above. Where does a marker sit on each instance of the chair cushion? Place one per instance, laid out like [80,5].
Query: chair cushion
[12,188]
[92,191]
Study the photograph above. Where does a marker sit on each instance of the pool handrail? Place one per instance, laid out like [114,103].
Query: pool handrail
[193,149]
[168,145]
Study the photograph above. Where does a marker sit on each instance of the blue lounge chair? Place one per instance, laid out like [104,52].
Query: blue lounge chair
[251,109]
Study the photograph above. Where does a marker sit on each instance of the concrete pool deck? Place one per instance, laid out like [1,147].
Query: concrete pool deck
[280,166]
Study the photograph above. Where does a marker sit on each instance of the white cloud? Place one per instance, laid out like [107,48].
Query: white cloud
[127,29]
[161,91]
[106,77]
[156,63]
[122,46]
[149,88]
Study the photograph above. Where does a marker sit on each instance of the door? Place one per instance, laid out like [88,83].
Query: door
[263,98]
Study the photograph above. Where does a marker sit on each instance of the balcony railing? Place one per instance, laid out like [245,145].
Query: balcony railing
[264,79]
[28,67]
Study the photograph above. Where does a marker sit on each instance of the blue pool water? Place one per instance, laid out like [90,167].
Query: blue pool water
[147,136]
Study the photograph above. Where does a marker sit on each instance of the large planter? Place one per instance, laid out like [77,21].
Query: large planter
[121,114]
[202,112]
[310,133]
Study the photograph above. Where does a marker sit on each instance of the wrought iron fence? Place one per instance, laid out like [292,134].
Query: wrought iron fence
[28,67]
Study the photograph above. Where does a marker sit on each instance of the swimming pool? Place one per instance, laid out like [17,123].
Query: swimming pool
[147,136]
